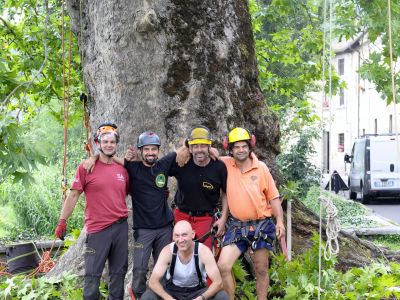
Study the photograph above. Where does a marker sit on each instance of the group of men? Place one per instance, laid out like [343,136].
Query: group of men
[240,184]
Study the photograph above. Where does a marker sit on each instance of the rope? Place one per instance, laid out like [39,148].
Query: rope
[330,117]
[88,145]
[3,270]
[332,228]
[66,96]
[46,263]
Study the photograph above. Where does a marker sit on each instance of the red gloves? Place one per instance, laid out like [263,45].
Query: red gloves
[61,229]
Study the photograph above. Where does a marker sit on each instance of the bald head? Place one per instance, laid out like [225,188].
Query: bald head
[183,235]
[183,226]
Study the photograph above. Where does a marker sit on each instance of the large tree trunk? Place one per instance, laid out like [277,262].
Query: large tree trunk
[166,65]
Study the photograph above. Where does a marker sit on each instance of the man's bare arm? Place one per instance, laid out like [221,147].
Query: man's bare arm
[158,272]
[69,204]
[207,258]
[220,223]
[277,212]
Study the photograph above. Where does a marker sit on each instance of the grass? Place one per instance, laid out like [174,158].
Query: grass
[351,214]
[8,221]
[392,241]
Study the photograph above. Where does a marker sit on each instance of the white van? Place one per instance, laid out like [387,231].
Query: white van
[375,167]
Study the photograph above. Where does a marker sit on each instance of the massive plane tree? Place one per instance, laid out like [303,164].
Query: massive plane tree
[167,65]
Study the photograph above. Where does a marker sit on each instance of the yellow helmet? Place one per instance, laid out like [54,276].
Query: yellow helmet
[199,135]
[238,134]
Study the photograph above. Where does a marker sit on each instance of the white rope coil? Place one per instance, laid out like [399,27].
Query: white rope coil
[332,228]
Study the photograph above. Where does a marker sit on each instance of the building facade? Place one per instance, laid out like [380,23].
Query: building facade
[357,109]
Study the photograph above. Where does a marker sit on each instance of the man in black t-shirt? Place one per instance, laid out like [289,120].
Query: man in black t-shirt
[152,217]
[201,184]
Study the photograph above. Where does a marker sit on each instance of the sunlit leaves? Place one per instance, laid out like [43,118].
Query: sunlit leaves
[289,50]
[30,78]
[19,287]
[371,17]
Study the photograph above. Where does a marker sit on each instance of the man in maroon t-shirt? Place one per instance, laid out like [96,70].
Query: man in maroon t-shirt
[106,213]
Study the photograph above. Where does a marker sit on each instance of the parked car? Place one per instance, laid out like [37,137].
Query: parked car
[374,167]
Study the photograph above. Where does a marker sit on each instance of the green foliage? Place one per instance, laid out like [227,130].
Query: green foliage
[7,221]
[18,157]
[19,287]
[289,43]
[359,17]
[290,190]
[298,279]
[295,163]
[30,79]
[245,288]
[391,241]
[351,214]
[71,239]
[38,206]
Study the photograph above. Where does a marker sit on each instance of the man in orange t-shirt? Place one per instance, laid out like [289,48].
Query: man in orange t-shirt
[252,201]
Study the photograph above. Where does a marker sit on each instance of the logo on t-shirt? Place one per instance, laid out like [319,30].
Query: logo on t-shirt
[120,177]
[208,185]
[160,180]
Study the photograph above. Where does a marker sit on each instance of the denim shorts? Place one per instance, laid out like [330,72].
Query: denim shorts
[234,236]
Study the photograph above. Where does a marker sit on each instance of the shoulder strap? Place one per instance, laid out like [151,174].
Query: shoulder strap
[173,261]
[197,264]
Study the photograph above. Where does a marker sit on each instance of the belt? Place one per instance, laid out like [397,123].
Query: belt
[198,213]
[121,220]
[237,223]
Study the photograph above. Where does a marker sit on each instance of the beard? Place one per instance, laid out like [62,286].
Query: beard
[151,160]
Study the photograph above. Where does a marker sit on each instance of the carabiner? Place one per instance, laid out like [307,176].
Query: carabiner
[254,245]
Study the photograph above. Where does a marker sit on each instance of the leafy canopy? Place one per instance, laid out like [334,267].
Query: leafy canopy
[30,79]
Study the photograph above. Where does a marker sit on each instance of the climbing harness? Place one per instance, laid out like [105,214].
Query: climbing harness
[264,230]
[202,284]
[216,242]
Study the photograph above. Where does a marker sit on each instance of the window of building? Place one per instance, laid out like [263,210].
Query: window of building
[341,66]
[341,142]
[390,124]
[376,126]
[341,95]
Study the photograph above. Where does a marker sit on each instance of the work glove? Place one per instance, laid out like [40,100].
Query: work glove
[61,229]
